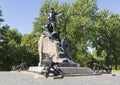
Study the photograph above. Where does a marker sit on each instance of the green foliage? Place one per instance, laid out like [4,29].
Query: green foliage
[29,45]
[1,20]
[9,48]
[79,28]
[107,36]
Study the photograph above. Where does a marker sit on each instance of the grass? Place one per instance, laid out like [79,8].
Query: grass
[115,70]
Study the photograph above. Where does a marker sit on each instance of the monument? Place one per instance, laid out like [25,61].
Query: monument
[51,47]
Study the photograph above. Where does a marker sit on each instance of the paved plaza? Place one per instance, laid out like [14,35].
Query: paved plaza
[28,78]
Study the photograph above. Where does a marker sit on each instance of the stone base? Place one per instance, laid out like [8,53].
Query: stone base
[36,69]
[66,70]
[76,70]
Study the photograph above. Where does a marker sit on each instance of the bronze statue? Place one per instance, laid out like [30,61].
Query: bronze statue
[51,24]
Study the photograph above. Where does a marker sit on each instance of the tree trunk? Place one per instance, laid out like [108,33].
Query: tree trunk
[107,59]
[116,62]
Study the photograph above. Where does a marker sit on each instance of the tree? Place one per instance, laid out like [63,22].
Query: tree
[1,20]
[80,28]
[114,36]
[107,36]
[29,48]
[9,47]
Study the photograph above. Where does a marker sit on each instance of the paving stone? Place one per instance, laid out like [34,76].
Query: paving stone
[28,78]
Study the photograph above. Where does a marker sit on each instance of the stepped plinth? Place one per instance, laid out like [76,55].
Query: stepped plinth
[66,70]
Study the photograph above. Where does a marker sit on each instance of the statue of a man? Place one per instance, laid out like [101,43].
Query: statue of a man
[51,24]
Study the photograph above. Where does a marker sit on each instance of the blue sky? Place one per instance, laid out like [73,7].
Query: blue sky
[20,14]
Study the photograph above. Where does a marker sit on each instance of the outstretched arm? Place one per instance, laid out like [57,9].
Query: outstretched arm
[58,12]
